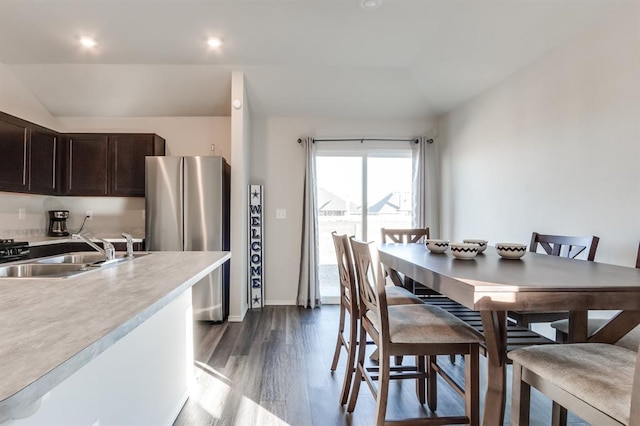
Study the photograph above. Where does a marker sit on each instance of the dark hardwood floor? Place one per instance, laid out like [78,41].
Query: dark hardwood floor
[273,369]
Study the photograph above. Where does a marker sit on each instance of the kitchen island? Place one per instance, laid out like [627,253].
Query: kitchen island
[110,335]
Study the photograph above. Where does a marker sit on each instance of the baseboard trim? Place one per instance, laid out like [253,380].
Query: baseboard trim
[235,318]
[239,318]
[280,302]
[176,411]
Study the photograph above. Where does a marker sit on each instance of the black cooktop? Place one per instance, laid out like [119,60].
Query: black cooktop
[11,250]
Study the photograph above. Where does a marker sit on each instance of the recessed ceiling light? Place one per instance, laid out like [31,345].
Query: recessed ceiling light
[87,42]
[214,42]
[370,4]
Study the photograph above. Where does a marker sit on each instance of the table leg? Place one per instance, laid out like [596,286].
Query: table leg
[410,284]
[495,335]
[577,327]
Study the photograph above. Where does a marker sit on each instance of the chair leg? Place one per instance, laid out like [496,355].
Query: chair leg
[472,385]
[421,381]
[452,358]
[357,379]
[383,389]
[351,357]
[432,383]
[340,339]
[399,360]
[520,398]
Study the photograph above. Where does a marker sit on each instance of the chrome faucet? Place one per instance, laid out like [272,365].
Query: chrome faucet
[129,245]
[109,251]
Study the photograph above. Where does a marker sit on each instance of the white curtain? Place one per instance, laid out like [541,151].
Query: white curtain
[308,282]
[425,187]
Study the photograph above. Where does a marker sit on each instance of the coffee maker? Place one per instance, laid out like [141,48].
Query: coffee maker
[58,223]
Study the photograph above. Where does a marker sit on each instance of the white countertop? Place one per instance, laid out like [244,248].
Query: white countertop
[50,327]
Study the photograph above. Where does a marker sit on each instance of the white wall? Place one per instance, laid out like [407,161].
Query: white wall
[17,100]
[240,148]
[111,215]
[554,148]
[184,135]
[277,162]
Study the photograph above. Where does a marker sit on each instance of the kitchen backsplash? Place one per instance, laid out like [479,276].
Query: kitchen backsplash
[111,215]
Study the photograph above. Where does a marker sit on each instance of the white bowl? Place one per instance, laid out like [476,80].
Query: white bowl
[464,250]
[481,243]
[437,246]
[511,250]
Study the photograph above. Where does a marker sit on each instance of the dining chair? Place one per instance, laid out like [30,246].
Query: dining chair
[555,245]
[631,340]
[349,305]
[406,236]
[416,330]
[598,382]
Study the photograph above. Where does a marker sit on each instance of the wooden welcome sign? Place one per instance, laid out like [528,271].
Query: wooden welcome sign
[256,257]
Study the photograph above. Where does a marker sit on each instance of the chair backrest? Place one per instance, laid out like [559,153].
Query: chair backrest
[348,290]
[413,235]
[371,284]
[560,245]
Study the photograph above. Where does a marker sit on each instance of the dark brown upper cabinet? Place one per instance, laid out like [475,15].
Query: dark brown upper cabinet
[44,160]
[108,164]
[86,158]
[14,154]
[38,160]
[127,161]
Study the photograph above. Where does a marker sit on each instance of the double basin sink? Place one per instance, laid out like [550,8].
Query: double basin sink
[62,266]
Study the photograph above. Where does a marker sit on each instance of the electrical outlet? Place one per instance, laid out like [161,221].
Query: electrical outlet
[22,213]
[281,213]
[89,214]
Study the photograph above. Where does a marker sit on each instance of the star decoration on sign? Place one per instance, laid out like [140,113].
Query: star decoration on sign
[256,300]
[255,194]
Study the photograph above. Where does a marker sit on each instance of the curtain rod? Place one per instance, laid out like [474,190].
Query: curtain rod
[367,139]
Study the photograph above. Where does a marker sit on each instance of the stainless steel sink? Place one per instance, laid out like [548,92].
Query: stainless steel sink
[84,258]
[34,270]
[61,266]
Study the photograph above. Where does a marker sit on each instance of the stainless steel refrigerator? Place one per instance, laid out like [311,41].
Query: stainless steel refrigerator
[187,202]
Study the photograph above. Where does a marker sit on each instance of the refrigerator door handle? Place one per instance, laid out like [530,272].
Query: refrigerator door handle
[185,203]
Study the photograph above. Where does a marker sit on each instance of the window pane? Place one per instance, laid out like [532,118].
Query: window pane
[388,194]
[339,199]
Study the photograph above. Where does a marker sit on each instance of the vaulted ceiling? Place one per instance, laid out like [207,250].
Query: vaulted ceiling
[407,58]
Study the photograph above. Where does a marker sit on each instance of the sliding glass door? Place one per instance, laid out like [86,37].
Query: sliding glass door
[359,192]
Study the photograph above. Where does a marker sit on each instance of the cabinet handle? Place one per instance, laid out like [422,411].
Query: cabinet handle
[70,167]
[24,159]
[55,150]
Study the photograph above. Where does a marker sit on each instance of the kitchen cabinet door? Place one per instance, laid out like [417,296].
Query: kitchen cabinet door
[87,164]
[43,169]
[14,154]
[127,161]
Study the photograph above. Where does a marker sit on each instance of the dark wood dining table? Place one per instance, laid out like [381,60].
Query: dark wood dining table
[537,283]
